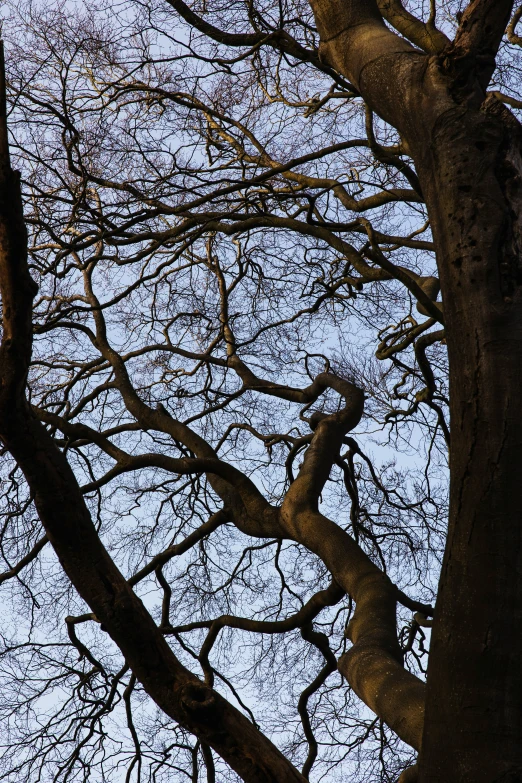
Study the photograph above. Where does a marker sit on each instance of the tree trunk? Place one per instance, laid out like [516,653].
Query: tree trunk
[471,173]
[467,152]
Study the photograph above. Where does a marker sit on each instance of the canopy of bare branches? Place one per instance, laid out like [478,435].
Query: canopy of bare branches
[238,431]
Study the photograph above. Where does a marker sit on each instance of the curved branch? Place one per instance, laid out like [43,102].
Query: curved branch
[420,354]
[329,597]
[71,531]
[512,37]
[414,283]
[397,341]
[374,665]
[424,35]
[320,641]
[277,39]
[385,156]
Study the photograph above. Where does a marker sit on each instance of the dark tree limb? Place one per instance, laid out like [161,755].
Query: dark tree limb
[70,530]
[481,28]
[277,39]
[24,561]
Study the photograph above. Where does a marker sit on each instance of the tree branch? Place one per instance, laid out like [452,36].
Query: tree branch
[70,530]
[424,35]
[28,558]
[277,39]
[480,32]
[512,37]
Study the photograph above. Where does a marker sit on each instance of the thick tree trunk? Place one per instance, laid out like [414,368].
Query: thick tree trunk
[468,157]
[471,173]
[467,153]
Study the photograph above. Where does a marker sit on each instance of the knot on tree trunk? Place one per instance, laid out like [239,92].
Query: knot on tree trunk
[199,702]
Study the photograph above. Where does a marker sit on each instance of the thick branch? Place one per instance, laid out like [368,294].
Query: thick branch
[374,665]
[424,35]
[70,530]
[277,39]
[482,26]
[510,32]
[353,37]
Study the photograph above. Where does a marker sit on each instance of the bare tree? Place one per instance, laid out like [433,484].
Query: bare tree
[226,379]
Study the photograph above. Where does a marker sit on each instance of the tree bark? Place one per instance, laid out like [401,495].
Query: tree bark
[472,181]
[467,151]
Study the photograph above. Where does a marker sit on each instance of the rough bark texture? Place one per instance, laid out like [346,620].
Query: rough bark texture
[468,156]
[474,683]
[467,722]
